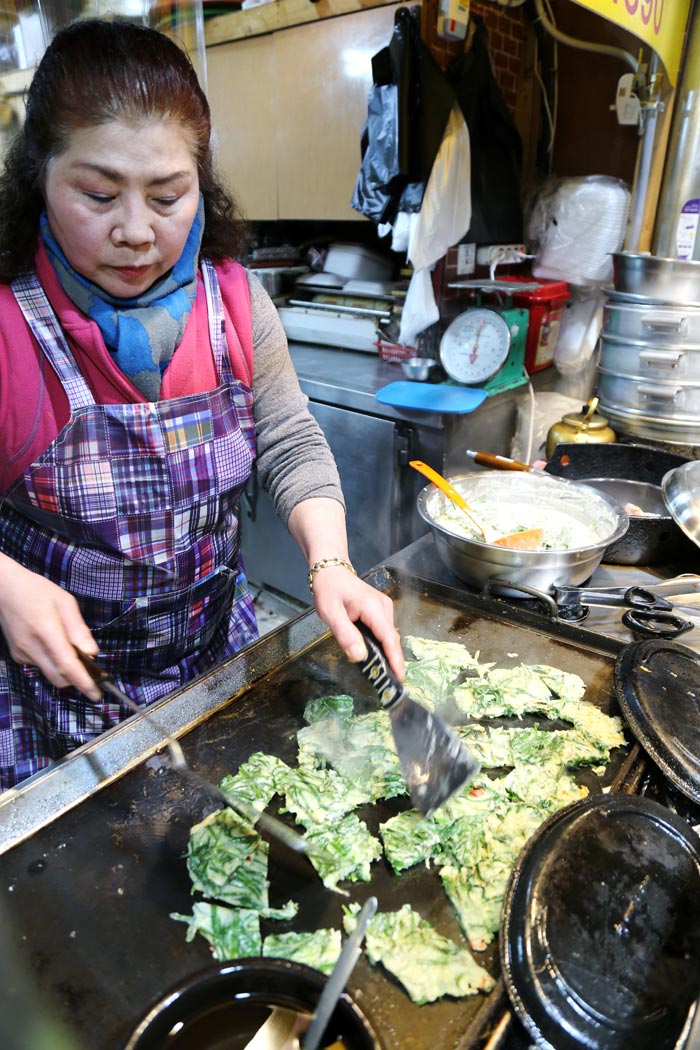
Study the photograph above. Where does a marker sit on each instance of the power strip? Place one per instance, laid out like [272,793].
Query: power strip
[500,253]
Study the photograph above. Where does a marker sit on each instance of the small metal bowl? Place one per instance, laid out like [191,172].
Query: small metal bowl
[418,368]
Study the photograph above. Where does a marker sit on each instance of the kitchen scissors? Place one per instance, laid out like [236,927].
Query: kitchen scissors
[645,613]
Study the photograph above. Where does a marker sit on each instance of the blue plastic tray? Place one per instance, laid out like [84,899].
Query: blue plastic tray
[431,397]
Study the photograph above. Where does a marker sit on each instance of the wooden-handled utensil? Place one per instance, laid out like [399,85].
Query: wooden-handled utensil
[271,825]
[496,462]
[526,539]
[434,761]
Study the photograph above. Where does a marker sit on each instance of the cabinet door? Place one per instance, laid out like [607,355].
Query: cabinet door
[324,73]
[288,110]
[241,91]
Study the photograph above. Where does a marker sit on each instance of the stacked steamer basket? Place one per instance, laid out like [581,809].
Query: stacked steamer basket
[649,365]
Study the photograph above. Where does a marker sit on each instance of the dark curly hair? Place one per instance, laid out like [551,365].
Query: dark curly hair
[95,71]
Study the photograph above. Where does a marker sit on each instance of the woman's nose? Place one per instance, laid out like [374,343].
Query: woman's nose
[133,225]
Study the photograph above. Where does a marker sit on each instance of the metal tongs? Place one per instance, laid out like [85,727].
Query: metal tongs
[271,825]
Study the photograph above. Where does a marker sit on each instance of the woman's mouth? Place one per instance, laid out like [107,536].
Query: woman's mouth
[131,272]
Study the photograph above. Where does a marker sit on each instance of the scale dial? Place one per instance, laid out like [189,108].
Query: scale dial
[475,345]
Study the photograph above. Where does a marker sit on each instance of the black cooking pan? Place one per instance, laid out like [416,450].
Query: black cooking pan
[649,540]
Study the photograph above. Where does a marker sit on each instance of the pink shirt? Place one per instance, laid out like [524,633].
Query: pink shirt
[33,405]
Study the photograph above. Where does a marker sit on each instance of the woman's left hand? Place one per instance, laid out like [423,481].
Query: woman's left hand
[341,599]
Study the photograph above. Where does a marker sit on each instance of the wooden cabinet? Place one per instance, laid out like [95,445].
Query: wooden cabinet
[241,78]
[288,111]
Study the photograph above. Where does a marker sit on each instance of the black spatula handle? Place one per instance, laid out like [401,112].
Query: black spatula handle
[377,671]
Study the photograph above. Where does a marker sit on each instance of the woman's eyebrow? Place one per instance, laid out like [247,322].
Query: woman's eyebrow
[116,176]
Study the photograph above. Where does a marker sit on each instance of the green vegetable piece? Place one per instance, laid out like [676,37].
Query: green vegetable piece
[318,795]
[227,861]
[428,965]
[323,707]
[361,750]
[234,933]
[563,684]
[452,654]
[286,912]
[319,948]
[409,838]
[344,850]
[257,780]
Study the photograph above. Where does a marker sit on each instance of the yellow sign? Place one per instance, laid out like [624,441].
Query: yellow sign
[659,23]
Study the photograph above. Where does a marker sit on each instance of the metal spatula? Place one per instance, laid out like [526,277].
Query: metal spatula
[434,761]
[273,827]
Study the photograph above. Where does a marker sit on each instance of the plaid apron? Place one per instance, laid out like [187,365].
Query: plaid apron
[134,510]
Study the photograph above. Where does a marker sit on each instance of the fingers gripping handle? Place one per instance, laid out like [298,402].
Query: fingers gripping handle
[377,672]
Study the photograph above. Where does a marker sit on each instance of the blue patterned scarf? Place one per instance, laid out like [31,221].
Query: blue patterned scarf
[141,333]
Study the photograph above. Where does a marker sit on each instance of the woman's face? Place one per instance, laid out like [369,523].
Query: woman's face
[121,200]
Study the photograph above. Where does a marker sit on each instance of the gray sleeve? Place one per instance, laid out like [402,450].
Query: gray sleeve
[294,460]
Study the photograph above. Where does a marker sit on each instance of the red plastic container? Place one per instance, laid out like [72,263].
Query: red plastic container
[545,306]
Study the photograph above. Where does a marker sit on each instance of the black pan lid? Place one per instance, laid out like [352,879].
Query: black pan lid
[600,938]
[657,684]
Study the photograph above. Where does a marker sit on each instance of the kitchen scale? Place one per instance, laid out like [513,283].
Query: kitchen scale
[485,345]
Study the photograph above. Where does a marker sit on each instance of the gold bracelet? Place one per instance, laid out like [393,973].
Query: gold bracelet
[326,563]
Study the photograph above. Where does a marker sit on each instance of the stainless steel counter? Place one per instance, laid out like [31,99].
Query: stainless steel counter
[350,379]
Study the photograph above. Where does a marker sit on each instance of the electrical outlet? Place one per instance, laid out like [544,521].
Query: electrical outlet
[466,259]
[500,253]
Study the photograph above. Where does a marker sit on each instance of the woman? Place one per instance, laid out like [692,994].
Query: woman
[142,371]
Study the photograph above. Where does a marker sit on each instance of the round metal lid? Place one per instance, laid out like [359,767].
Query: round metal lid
[600,938]
[657,684]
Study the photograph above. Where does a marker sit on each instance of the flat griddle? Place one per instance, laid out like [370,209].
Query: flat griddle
[88,895]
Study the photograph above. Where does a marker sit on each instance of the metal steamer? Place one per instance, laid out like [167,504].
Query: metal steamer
[649,363]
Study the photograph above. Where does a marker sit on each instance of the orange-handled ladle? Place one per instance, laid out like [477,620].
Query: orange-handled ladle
[528,539]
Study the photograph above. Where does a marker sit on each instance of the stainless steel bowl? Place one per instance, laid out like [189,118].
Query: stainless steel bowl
[478,563]
[418,367]
[664,280]
[681,490]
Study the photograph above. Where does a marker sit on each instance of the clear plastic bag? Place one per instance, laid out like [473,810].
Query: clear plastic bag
[575,226]
[534,417]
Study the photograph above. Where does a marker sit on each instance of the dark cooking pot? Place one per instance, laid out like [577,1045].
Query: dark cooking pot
[225,1004]
[649,540]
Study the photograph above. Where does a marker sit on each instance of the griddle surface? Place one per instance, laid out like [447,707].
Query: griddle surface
[89,896]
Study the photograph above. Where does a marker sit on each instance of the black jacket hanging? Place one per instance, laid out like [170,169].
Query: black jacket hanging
[496,149]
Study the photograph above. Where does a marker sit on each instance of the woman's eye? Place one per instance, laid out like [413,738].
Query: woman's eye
[101,198]
[165,202]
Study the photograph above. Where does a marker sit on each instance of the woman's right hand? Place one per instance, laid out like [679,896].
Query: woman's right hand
[43,626]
